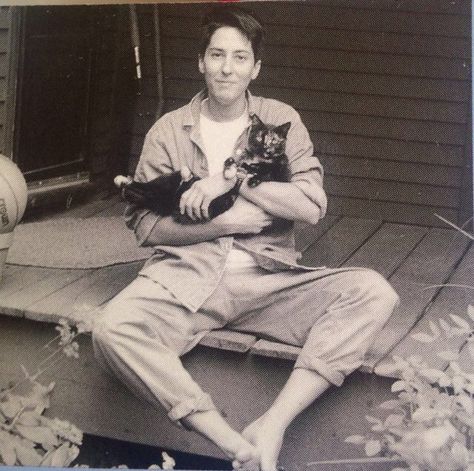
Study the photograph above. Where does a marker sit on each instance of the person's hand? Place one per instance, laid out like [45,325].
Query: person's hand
[244,217]
[195,201]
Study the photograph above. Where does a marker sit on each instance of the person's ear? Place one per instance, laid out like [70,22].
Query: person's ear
[201,63]
[256,69]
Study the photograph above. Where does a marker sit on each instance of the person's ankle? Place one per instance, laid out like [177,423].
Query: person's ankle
[275,420]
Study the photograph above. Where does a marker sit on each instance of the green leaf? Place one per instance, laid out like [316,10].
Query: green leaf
[470,348]
[390,404]
[435,437]
[466,402]
[168,461]
[393,420]
[470,312]
[460,322]
[431,374]
[398,386]
[11,407]
[373,420]
[28,418]
[40,434]
[444,381]
[27,456]
[461,454]
[434,328]
[372,447]
[444,325]
[424,338]
[448,355]
[8,454]
[60,456]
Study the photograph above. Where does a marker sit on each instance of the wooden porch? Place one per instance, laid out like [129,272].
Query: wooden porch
[416,259]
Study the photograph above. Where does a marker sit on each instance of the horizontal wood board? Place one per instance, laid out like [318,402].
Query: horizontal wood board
[49,295]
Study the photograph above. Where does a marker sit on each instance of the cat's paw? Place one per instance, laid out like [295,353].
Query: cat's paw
[120,181]
[253,182]
[230,169]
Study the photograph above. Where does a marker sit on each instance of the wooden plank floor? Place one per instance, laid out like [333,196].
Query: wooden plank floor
[416,260]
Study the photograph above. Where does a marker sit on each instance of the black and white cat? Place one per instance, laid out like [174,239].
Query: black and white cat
[264,159]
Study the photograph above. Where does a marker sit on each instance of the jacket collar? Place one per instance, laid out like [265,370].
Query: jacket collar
[193,109]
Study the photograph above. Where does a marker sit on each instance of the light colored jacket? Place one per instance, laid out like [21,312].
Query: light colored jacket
[192,272]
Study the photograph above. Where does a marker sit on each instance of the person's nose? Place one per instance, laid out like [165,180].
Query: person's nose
[227,66]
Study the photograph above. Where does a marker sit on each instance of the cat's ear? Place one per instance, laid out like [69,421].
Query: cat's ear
[256,121]
[283,129]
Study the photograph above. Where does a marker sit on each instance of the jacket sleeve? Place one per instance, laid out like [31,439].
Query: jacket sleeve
[305,168]
[154,161]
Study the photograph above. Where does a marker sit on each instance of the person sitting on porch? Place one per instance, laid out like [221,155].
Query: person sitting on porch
[238,270]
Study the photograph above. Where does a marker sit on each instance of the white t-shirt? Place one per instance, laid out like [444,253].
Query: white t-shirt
[219,139]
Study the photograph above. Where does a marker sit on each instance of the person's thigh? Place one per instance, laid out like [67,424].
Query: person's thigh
[288,304]
[145,309]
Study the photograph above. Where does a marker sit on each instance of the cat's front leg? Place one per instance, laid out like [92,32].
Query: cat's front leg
[254,181]
[230,168]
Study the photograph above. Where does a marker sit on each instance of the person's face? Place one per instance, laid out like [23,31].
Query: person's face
[228,65]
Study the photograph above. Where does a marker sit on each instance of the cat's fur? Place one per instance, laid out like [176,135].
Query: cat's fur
[264,159]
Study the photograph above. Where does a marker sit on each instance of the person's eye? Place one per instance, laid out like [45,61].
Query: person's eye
[241,58]
[216,54]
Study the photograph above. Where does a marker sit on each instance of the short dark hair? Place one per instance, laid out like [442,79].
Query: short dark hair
[235,17]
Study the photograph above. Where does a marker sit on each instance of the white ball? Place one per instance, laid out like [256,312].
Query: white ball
[13,195]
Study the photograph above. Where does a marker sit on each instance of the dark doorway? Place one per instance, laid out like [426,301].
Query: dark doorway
[54,91]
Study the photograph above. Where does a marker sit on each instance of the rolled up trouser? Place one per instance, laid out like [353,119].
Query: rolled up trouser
[334,314]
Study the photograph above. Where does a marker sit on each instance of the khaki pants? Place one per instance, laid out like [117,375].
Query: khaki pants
[334,314]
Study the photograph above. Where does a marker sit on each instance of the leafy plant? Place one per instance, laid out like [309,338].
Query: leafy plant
[431,422]
[27,437]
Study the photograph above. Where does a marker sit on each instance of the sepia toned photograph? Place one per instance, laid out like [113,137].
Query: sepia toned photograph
[237,235]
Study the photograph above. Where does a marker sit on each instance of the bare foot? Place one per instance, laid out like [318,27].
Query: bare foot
[246,459]
[267,437]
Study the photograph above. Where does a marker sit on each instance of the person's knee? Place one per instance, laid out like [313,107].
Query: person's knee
[376,288]
[110,324]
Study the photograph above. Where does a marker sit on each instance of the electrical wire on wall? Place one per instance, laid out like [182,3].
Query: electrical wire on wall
[135,36]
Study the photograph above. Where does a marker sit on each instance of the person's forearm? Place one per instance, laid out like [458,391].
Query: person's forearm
[284,200]
[168,232]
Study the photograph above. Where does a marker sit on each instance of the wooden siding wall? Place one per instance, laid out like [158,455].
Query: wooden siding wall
[111,103]
[5,43]
[383,87]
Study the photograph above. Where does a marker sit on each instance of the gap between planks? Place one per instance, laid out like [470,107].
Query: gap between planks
[430,263]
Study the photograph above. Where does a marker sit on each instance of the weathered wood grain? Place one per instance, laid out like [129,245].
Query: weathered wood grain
[17,303]
[78,300]
[91,208]
[275,350]
[396,191]
[387,248]
[353,19]
[334,101]
[390,211]
[430,263]
[339,242]
[361,41]
[337,81]
[308,234]
[228,340]
[451,300]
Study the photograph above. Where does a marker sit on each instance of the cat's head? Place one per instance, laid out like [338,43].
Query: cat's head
[267,140]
